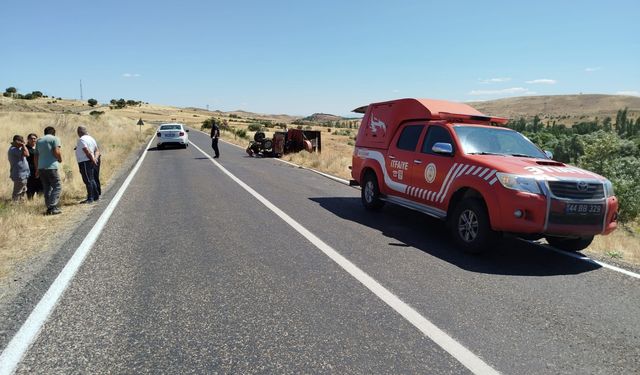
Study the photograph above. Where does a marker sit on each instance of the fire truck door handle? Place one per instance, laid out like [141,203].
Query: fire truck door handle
[418,161]
[391,157]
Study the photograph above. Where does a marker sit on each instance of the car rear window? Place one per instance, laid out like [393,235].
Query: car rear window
[170,127]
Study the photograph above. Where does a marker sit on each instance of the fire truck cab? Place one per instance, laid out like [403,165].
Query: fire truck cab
[452,162]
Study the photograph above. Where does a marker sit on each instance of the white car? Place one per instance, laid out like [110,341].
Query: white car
[172,134]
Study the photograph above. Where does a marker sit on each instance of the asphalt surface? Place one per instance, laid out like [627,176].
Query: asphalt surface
[193,275]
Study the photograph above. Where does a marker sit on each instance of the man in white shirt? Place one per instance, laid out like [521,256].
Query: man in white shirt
[86,150]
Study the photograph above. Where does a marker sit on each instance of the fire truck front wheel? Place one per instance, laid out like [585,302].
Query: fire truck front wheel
[370,193]
[570,244]
[471,228]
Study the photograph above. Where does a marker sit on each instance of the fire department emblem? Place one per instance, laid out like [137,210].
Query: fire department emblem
[430,173]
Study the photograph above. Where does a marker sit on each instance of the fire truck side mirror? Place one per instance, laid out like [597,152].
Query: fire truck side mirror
[549,154]
[442,148]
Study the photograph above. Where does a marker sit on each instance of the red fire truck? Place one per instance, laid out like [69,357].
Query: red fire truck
[452,162]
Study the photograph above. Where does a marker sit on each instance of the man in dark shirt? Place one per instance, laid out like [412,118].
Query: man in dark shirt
[33,183]
[215,134]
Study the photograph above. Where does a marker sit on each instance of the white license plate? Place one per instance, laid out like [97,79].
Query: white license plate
[583,209]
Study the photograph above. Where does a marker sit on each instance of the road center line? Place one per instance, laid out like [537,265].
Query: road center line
[446,342]
[30,329]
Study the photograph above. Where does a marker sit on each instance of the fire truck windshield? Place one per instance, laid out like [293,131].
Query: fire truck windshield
[496,141]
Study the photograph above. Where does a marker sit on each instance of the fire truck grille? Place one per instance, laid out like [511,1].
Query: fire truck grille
[576,189]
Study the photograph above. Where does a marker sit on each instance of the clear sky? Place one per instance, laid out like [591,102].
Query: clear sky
[301,57]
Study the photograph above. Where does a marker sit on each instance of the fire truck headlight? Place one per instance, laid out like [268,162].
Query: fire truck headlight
[608,189]
[520,183]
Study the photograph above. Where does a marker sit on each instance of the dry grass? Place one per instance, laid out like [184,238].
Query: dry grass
[117,137]
[334,159]
[623,245]
[566,109]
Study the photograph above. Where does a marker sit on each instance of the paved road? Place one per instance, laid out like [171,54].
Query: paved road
[193,274]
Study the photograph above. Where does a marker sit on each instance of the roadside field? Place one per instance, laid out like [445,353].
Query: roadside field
[25,230]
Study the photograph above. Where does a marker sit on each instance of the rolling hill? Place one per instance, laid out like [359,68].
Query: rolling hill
[567,109]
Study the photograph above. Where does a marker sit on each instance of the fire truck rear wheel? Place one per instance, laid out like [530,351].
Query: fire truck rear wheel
[570,244]
[471,228]
[370,193]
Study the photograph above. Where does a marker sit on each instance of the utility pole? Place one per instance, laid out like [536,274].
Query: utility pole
[81,99]
[207,107]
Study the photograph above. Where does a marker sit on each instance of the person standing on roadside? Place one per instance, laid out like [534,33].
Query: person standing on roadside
[19,172]
[48,159]
[86,149]
[33,183]
[215,134]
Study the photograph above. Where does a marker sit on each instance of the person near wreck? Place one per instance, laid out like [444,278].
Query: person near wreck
[215,134]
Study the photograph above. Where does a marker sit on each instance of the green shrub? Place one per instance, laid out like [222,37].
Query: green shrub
[254,127]
[242,133]
[342,132]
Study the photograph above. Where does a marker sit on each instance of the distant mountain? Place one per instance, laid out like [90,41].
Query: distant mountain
[322,117]
[565,109]
[568,108]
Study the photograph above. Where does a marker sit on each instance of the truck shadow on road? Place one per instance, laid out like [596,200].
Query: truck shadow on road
[406,228]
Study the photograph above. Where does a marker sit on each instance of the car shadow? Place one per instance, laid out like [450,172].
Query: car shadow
[407,228]
[166,148]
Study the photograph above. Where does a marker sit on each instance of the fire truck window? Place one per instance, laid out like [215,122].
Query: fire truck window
[409,137]
[435,134]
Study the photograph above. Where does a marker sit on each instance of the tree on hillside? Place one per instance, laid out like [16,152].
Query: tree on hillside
[10,92]
[222,124]
[621,122]
[92,102]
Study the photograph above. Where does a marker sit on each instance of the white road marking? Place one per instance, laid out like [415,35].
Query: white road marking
[28,332]
[589,260]
[446,342]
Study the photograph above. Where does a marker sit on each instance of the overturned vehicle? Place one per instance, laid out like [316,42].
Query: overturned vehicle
[293,140]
